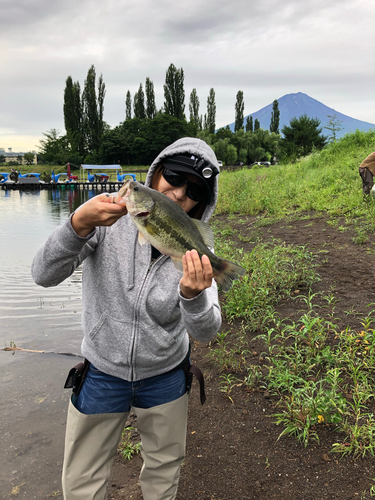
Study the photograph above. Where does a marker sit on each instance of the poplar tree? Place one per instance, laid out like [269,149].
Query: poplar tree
[101,96]
[150,99]
[239,108]
[256,124]
[211,112]
[73,114]
[69,107]
[249,124]
[139,104]
[128,106]
[275,117]
[174,93]
[194,107]
[93,107]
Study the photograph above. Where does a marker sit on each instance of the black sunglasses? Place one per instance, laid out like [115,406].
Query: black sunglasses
[194,191]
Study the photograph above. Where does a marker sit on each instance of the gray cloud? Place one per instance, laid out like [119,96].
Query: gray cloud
[267,49]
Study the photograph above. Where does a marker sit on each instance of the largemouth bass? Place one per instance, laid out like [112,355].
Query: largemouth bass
[165,225]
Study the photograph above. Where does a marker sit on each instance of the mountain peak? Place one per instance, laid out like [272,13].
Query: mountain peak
[298,104]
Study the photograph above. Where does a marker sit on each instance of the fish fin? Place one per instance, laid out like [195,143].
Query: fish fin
[206,232]
[141,239]
[230,272]
[178,264]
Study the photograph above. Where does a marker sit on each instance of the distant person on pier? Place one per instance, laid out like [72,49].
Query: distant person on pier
[367,172]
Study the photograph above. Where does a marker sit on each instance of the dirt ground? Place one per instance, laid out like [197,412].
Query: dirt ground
[233,451]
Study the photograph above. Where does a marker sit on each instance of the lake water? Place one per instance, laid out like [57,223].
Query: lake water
[33,317]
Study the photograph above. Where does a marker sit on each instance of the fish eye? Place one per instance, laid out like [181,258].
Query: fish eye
[136,188]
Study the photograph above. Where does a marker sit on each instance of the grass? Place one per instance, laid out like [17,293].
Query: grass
[319,375]
[326,181]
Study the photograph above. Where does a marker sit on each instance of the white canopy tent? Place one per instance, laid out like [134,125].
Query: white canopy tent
[84,167]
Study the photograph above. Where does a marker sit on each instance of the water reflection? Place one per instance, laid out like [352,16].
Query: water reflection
[31,316]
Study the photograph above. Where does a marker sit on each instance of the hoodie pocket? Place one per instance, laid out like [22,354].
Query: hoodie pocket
[112,339]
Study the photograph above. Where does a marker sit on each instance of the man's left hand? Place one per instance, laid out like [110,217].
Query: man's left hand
[198,274]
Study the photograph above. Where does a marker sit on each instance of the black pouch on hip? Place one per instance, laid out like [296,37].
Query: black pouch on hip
[76,377]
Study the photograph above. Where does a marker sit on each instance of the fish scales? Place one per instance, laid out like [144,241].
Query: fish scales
[170,230]
[164,224]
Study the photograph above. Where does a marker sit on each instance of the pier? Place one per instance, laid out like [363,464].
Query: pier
[67,186]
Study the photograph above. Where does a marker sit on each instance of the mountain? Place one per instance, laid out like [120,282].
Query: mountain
[295,105]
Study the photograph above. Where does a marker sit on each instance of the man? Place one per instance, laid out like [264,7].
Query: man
[137,310]
[367,171]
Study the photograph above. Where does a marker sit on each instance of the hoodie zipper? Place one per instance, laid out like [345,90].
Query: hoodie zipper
[137,308]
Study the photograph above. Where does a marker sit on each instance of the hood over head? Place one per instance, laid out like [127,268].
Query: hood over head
[194,156]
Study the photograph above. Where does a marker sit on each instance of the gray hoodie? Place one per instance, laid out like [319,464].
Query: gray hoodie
[134,319]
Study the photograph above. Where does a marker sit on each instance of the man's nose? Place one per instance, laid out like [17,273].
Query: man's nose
[180,192]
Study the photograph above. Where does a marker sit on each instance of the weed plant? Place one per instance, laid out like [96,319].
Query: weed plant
[274,270]
[127,447]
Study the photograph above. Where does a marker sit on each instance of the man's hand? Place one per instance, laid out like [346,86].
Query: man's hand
[99,211]
[197,275]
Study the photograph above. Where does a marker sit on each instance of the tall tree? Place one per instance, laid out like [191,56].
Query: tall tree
[211,112]
[73,115]
[205,122]
[101,96]
[201,122]
[139,104]
[150,99]
[69,107]
[174,93]
[128,106]
[275,117]
[256,124]
[194,107]
[239,108]
[334,125]
[301,136]
[249,124]
[93,107]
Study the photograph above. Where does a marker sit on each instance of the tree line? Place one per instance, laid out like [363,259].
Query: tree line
[147,130]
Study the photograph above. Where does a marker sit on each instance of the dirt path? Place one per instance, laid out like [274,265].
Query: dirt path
[232,448]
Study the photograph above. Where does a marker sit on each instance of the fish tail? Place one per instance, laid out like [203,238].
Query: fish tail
[229,273]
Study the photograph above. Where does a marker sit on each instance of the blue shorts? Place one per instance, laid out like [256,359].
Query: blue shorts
[102,393]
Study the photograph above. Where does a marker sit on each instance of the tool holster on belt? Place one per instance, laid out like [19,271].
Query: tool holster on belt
[191,370]
[76,377]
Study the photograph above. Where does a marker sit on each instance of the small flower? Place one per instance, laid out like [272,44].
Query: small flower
[320,419]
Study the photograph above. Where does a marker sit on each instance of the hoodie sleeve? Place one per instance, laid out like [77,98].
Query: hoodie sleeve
[202,314]
[61,254]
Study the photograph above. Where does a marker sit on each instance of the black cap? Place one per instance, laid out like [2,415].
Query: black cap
[193,165]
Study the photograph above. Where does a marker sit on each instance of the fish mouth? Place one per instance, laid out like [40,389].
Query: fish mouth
[142,214]
[124,189]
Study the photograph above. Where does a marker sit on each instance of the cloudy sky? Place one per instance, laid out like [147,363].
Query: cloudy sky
[266,48]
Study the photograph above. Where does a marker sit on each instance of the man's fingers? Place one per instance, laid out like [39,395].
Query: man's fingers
[107,198]
[207,268]
[190,268]
[197,264]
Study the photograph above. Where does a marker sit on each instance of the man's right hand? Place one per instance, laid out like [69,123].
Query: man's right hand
[99,211]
